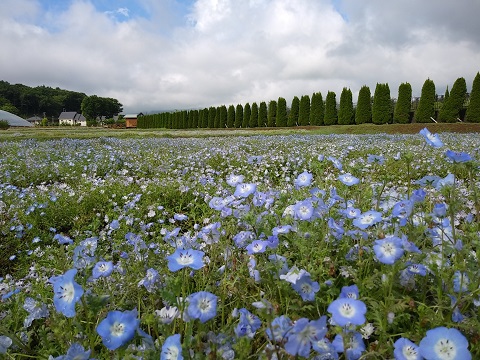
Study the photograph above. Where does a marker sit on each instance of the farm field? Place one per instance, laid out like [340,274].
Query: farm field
[280,244]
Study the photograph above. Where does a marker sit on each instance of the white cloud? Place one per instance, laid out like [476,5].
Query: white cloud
[229,51]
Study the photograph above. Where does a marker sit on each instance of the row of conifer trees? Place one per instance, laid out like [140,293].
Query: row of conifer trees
[315,111]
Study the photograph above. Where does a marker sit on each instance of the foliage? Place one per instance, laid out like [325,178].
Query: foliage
[247,113]
[281,118]
[294,111]
[212,112]
[238,116]
[473,110]
[345,111]
[403,105]
[304,111]
[382,106]
[363,112]
[231,116]
[450,111]
[254,116]
[4,125]
[330,117]
[317,109]
[95,106]
[425,110]
[262,114]
[272,113]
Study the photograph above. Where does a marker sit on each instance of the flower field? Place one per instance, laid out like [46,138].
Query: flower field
[260,247]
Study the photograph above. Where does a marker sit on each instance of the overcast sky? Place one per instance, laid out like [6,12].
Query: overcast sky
[182,54]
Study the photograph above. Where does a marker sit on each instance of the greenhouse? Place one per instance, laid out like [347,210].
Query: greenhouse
[13,120]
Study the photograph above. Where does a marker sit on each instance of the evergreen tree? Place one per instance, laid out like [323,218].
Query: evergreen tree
[281,118]
[451,108]
[363,112]
[262,114]
[247,112]
[238,116]
[473,110]
[330,117]
[304,111]
[254,115]
[426,106]
[217,117]
[194,114]
[447,95]
[293,115]
[212,111]
[345,111]
[272,113]
[223,116]
[317,109]
[231,117]
[382,105]
[404,104]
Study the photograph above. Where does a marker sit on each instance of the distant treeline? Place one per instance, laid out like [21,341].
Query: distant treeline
[316,110]
[48,102]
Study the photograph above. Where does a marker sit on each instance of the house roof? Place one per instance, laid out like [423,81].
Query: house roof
[34,118]
[13,120]
[132,116]
[67,115]
[79,117]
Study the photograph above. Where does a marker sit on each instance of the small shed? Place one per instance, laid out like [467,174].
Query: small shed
[131,120]
[35,120]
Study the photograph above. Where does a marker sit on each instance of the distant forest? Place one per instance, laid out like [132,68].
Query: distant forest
[44,101]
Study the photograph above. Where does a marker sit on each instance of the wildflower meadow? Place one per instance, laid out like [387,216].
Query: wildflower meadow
[259,247]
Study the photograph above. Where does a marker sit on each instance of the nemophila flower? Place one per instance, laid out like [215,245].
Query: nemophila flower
[351,212]
[375,159]
[303,210]
[185,258]
[402,210]
[457,157]
[280,263]
[62,240]
[354,342]
[150,281]
[444,344]
[252,269]
[216,203]
[294,274]
[335,162]
[248,324]
[102,269]
[202,305]
[417,269]
[35,310]
[431,139]
[259,198]
[75,352]
[281,229]
[388,250]
[461,282]
[347,311]
[167,314]
[234,180]
[348,179]
[242,238]
[10,294]
[304,179]
[118,328]
[5,343]
[350,292]
[306,288]
[404,349]
[303,334]
[279,328]
[180,217]
[457,316]
[272,241]
[114,225]
[367,219]
[336,228]
[243,190]
[172,348]
[257,246]
[325,349]
[446,181]
[66,292]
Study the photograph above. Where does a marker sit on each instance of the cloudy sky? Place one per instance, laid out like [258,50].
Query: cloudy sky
[181,54]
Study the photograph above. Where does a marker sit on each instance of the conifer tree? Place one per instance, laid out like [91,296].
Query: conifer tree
[345,111]
[317,109]
[330,117]
[238,116]
[293,115]
[382,105]
[304,111]
[247,112]
[254,116]
[281,118]
[231,117]
[403,105]
[447,95]
[450,111]
[272,113]
[363,112]
[223,117]
[426,106]
[473,110]
[212,111]
[262,114]
[194,115]
[217,117]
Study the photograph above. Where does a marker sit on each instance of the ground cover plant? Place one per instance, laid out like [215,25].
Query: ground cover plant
[260,247]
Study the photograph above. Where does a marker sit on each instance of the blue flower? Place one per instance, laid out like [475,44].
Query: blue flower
[303,210]
[185,258]
[445,344]
[248,324]
[62,240]
[257,246]
[458,157]
[367,219]
[118,328]
[75,352]
[460,282]
[417,269]
[202,305]
[350,292]
[150,280]
[348,179]
[388,250]
[244,190]
[35,311]
[347,311]
[377,159]
[5,343]
[404,349]
[355,345]
[279,328]
[306,288]
[335,162]
[172,348]
[234,180]
[304,179]
[325,349]
[67,292]
[431,139]
[303,334]
[102,269]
